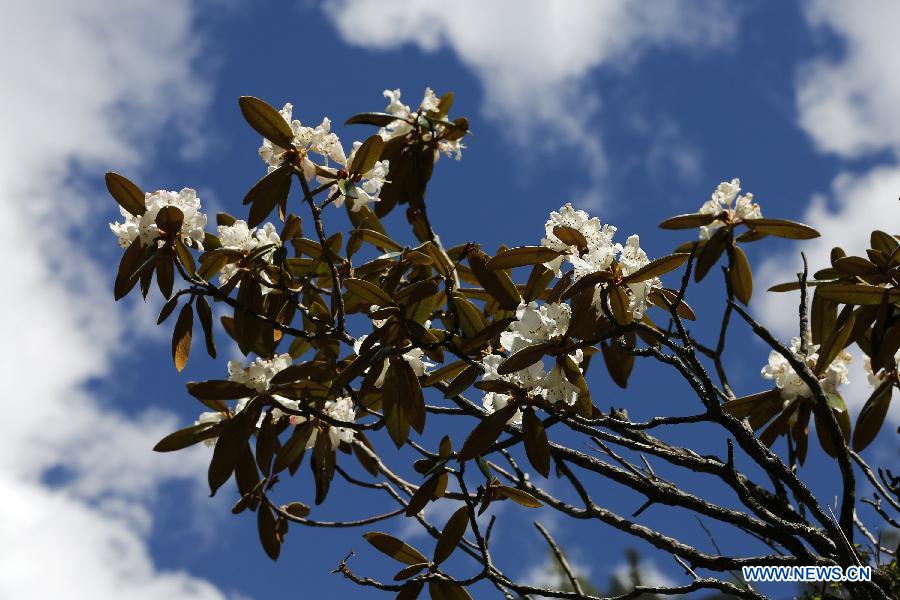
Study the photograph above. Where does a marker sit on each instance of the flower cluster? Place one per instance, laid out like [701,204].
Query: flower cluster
[318,140]
[259,373]
[340,409]
[407,118]
[358,189]
[721,201]
[258,376]
[144,226]
[238,236]
[788,381]
[534,324]
[599,254]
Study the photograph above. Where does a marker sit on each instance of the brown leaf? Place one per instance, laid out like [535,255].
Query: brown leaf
[657,267]
[181,336]
[872,415]
[265,525]
[537,448]
[688,221]
[570,237]
[522,256]
[486,432]
[187,437]
[618,362]
[741,277]
[451,535]
[447,590]
[518,496]
[267,193]
[856,293]
[267,121]
[782,228]
[367,155]
[524,358]
[369,293]
[395,548]
[128,195]
[710,253]
[206,322]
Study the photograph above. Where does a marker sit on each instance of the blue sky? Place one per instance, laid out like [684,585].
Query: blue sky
[633,113]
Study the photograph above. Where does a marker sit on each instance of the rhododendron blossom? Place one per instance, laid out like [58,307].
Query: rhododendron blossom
[238,236]
[789,382]
[318,140]
[721,201]
[144,226]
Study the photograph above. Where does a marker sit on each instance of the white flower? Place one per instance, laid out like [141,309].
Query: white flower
[238,236]
[340,409]
[361,189]
[211,417]
[788,381]
[721,200]
[415,358]
[318,139]
[534,324]
[407,117]
[493,402]
[600,252]
[144,226]
[258,373]
[876,379]
[632,259]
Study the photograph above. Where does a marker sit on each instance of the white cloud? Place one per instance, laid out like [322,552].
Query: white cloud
[86,86]
[845,217]
[848,102]
[533,58]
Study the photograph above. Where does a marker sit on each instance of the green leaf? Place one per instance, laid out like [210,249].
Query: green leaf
[267,121]
[128,195]
[522,256]
[395,548]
